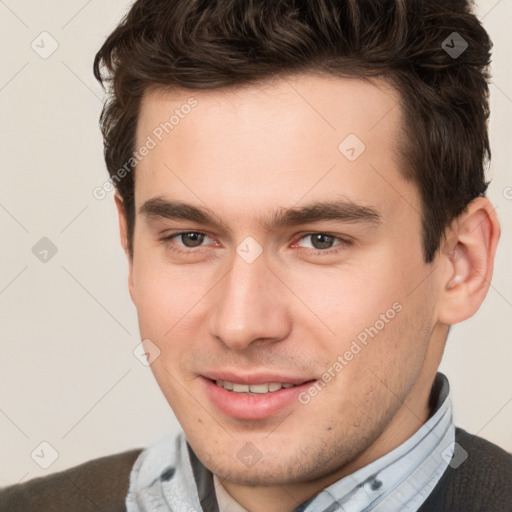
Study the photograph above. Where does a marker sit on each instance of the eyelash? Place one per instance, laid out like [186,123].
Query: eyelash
[343,242]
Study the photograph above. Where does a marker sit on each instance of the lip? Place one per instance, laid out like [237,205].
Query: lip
[253,407]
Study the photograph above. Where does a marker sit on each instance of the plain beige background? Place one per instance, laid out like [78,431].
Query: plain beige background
[68,375]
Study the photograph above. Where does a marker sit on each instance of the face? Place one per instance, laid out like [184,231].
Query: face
[238,277]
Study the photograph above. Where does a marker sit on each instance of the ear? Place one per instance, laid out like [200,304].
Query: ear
[123,234]
[468,258]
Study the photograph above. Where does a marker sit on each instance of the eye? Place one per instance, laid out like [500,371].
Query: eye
[320,241]
[189,240]
[323,242]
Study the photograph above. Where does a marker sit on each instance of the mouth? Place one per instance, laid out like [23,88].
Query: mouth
[252,400]
[254,389]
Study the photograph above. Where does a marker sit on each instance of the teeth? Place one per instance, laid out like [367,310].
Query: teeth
[253,388]
[258,388]
[241,388]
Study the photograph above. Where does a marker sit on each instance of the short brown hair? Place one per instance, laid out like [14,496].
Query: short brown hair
[205,44]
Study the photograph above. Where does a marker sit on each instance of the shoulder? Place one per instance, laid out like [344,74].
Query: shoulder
[479,478]
[99,484]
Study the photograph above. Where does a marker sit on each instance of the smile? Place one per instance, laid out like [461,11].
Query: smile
[257,389]
[254,401]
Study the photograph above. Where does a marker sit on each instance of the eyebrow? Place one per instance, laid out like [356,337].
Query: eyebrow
[341,211]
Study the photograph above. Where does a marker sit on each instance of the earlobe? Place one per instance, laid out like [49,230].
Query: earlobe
[469,260]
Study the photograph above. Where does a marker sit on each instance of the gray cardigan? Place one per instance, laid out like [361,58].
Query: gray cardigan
[482,483]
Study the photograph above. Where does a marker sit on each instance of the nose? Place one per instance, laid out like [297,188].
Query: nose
[250,305]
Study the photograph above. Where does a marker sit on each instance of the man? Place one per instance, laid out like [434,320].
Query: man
[301,198]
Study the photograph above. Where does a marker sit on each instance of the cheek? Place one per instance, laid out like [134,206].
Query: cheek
[394,345]
[377,315]
[164,295]
[348,299]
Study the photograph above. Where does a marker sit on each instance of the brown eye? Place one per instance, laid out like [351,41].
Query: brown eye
[192,239]
[322,241]
[187,243]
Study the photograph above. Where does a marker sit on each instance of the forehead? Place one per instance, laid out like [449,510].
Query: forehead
[273,143]
[318,104]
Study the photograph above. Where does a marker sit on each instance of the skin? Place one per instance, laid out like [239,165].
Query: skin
[246,154]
